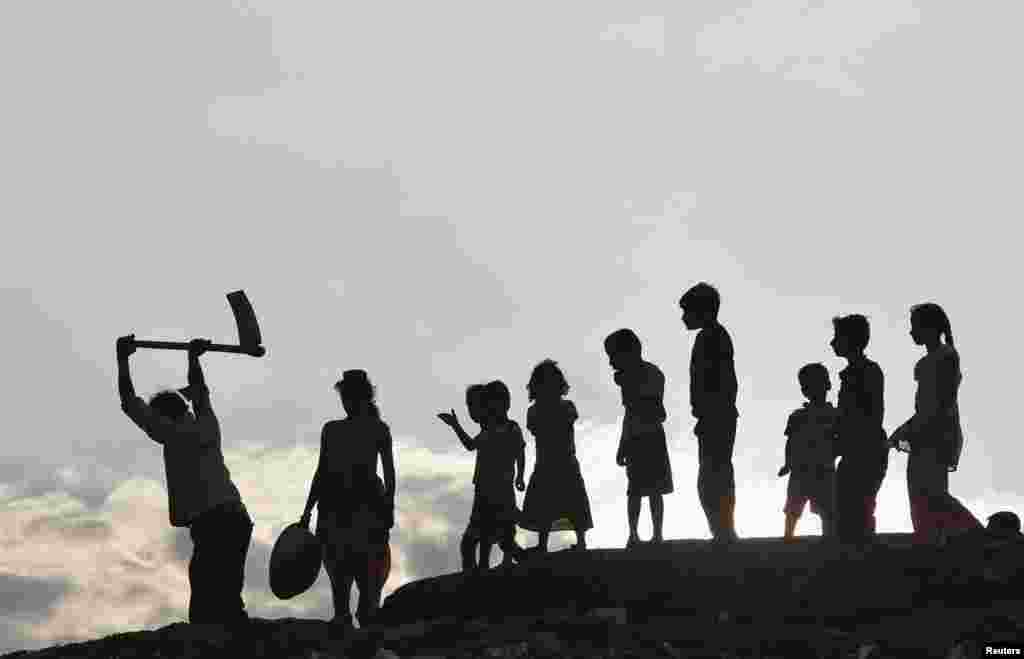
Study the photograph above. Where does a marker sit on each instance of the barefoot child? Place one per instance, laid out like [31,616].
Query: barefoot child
[475,406]
[500,450]
[713,389]
[556,487]
[933,435]
[642,446]
[502,460]
[810,452]
[861,440]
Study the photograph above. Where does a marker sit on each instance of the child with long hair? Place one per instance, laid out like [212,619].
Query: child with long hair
[933,436]
[556,488]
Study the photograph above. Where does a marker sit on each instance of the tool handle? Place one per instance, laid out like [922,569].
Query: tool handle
[255,351]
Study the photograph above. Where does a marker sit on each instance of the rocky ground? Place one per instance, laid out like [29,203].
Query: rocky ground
[758,599]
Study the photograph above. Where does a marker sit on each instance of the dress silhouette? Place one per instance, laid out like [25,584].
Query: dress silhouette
[556,488]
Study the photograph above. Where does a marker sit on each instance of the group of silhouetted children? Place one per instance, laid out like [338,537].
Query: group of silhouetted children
[816,435]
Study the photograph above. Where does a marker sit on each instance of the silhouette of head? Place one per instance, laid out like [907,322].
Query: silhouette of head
[623,348]
[357,393]
[497,400]
[170,405]
[929,323]
[700,305]
[814,381]
[1004,524]
[548,379]
[475,402]
[851,335]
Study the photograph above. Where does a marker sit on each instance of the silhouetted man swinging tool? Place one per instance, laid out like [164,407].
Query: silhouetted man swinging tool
[200,493]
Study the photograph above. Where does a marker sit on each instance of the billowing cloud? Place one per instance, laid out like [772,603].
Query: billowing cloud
[818,42]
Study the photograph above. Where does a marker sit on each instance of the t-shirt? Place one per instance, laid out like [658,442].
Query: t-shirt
[643,395]
[811,432]
[713,385]
[861,409]
[197,478]
[497,448]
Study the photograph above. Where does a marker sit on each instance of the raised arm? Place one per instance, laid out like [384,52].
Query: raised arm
[197,390]
[125,348]
[452,422]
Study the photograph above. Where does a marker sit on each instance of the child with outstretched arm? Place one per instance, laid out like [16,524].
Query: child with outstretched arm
[475,406]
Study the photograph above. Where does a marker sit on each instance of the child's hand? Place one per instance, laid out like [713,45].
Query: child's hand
[520,485]
[785,470]
[449,418]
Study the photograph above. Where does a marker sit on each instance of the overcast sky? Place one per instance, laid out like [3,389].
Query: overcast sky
[448,193]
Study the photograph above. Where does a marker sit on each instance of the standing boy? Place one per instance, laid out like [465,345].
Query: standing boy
[810,452]
[200,493]
[713,402]
[643,449]
[861,441]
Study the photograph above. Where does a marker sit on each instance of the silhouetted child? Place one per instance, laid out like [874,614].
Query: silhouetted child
[861,441]
[810,452]
[477,412]
[356,509]
[200,492]
[713,391]
[642,446]
[933,436]
[556,487]
[501,459]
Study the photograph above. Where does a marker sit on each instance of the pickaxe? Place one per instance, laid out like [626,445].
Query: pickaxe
[249,339]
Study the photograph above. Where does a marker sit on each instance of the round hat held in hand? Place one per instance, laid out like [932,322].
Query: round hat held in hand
[294,561]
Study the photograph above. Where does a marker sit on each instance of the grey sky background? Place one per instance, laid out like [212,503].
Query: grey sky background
[448,193]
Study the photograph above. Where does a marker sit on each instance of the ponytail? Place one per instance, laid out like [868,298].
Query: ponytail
[932,315]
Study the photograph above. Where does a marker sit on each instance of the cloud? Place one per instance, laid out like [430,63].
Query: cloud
[802,40]
[646,33]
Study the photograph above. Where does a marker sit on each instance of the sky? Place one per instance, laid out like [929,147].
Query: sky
[448,193]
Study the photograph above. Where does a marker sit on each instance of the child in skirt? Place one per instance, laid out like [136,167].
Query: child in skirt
[556,489]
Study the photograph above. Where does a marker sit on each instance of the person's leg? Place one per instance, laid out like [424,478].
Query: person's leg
[468,548]
[335,558]
[581,537]
[726,477]
[704,477]
[368,582]
[657,504]
[199,573]
[236,550]
[542,540]
[633,516]
[878,470]
[508,544]
[790,530]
